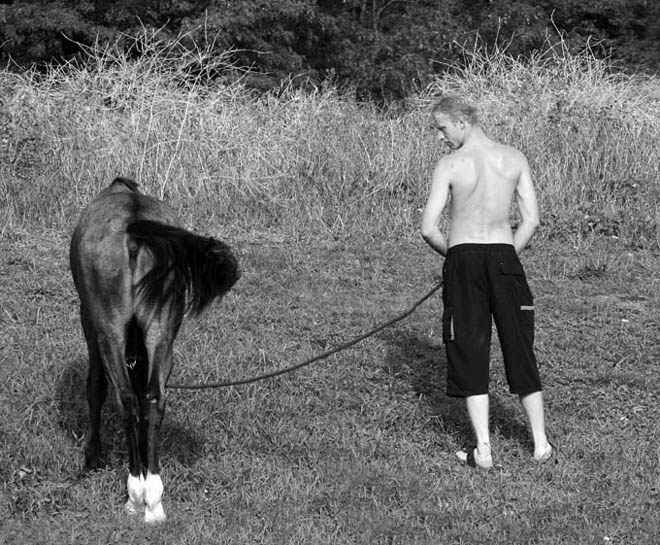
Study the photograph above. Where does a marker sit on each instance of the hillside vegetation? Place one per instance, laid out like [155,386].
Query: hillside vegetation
[319,161]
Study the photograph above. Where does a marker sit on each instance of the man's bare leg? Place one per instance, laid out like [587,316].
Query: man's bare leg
[533,406]
[478,411]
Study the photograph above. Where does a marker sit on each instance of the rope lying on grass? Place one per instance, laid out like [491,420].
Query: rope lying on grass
[314,359]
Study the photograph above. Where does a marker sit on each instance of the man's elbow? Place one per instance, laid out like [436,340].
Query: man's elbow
[530,224]
[427,232]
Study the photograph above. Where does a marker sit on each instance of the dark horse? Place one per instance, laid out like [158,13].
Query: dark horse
[137,272]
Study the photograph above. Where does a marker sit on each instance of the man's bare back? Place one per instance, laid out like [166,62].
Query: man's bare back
[479,179]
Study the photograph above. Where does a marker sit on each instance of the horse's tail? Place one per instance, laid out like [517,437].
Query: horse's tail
[203,267]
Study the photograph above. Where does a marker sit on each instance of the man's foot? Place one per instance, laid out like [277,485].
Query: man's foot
[479,456]
[545,454]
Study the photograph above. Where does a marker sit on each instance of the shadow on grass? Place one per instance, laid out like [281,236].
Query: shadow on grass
[424,364]
[176,441]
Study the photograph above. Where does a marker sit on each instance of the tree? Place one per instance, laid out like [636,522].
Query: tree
[380,48]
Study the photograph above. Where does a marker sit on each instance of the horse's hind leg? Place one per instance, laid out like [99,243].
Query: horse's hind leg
[97,390]
[160,353]
[137,358]
[153,489]
[112,349]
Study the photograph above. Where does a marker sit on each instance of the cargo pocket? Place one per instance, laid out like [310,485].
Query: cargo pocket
[512,267]
[448,325]
[519,289]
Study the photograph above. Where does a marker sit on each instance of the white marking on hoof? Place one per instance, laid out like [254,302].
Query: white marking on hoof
[136,491]
[155,515]
[153,495]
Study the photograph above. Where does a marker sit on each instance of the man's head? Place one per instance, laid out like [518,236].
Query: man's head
[453,118]
[457,109]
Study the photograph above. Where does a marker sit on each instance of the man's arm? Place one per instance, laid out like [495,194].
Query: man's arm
[528,208]
[436,203]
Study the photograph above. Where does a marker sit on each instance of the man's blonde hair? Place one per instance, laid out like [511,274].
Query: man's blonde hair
[457,108]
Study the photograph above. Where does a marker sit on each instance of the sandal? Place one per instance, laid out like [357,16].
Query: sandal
[471,457]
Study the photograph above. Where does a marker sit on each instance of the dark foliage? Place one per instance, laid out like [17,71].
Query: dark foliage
[380,48]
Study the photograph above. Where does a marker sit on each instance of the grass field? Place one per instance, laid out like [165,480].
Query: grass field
[358,449]
[319,197]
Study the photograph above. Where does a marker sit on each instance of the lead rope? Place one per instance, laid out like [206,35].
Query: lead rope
[314,359]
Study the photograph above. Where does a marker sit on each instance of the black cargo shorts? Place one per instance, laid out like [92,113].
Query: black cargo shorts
[483,281]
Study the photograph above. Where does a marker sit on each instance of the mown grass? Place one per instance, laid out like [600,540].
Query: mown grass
[320,198]
[358,449]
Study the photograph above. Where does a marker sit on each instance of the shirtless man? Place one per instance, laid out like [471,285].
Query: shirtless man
[482,274]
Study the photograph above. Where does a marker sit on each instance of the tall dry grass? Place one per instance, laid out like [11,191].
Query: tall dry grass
[319,161]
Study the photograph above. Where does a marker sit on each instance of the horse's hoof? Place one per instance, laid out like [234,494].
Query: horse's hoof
[153,492]
[153,489]
[135,488]
[155,514]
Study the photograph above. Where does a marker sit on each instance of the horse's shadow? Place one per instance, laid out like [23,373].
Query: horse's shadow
[423,363]
[176,441]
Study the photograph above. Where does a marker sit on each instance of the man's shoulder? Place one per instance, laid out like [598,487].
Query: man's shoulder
[456,166]
[457,159]
[509,152]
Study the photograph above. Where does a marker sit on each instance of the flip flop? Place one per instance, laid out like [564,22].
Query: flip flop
[471,457]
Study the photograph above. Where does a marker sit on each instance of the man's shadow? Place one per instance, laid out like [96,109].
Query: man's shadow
[423,363]
[176,441]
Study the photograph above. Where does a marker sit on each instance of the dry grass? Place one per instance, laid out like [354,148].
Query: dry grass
[319,162]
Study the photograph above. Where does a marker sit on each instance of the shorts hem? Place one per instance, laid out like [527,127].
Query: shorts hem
[525,391]
[454,393]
